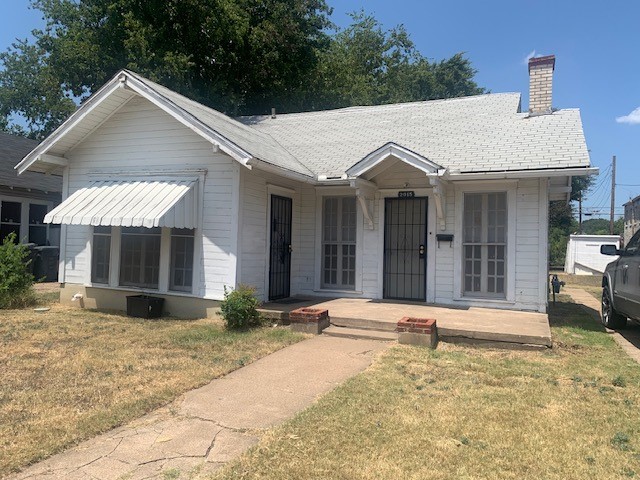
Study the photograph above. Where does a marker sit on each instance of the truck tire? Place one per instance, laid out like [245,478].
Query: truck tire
[610,317]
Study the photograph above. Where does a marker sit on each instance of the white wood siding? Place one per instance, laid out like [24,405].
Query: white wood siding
[142,137]
[257,187]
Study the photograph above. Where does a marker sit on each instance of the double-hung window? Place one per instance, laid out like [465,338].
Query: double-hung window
[101,255]
[339,243]
[484,244]
[181,271]
[139,264]
[140,257]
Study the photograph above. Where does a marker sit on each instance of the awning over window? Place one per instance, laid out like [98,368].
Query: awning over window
[131,203]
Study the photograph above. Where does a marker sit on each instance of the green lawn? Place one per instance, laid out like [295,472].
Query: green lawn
[68,374]
[461,412]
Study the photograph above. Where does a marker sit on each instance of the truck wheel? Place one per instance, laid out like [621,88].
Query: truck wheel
[611,318]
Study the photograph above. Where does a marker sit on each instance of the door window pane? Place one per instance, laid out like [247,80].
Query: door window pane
[339,227]
[484,244]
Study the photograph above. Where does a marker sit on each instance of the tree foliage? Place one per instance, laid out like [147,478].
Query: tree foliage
[367,65]
[562,222]
[15,278]
[238,56]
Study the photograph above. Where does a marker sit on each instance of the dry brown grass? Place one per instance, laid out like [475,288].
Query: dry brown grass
[467,413]
[69,374]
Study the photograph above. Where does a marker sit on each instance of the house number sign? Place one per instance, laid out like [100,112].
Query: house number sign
[406,194]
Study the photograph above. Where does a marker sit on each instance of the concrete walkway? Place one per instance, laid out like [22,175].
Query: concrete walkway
[212,425]
[628,338]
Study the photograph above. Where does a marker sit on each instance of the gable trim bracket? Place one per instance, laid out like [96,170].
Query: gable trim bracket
[365,192]
[439,197]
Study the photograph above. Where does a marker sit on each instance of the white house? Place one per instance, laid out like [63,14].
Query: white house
[439,201]
[583,254]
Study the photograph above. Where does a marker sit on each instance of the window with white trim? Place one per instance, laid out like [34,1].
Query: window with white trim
[37,227]
[140,257]
[484,244]
[181,268]
[10,219]
[339,243]
[101,255]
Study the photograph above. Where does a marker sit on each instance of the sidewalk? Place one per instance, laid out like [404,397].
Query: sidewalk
[628,339]
[212,425]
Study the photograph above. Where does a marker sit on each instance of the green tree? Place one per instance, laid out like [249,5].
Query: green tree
[562,222]
[237,56]
[367,65]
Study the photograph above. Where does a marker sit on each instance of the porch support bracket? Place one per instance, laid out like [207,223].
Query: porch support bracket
[365,190]
[439,199]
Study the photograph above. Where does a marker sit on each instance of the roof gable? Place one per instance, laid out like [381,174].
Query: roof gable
[237,140]
[387,151]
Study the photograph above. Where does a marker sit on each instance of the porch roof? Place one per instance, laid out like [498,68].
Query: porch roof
[131,203]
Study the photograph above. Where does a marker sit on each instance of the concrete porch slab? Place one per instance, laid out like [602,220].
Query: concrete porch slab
[484,325]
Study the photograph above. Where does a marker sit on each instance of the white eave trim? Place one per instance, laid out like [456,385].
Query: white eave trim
[125,80]
[76,117]
[516,174]
[280,171]
[392,149]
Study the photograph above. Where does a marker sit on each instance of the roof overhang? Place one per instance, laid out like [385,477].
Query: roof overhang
[123,80]
[393,150]
[156,202]
[516,174]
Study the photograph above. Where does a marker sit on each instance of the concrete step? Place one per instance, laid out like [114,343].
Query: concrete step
[334,331]
[364,324]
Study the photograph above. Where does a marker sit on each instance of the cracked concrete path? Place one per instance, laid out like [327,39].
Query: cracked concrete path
[212,425]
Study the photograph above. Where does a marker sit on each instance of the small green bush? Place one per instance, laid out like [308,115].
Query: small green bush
[15,279]
[240,308]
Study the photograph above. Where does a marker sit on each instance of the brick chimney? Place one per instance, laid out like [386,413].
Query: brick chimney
[540,83]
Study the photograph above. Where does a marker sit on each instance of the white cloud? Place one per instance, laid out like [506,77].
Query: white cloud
[632,118]
[525,60]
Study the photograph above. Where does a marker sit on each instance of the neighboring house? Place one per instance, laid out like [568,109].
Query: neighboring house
[583,254]
[25,199]
[440,201]
[631,218]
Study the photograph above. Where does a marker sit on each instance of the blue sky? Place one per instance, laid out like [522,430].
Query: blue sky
[597,68]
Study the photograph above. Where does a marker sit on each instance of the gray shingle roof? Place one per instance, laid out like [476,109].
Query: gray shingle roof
[258,144]
[12,149]
[469,134]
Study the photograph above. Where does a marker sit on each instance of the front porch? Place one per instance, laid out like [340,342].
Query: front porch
[378,318]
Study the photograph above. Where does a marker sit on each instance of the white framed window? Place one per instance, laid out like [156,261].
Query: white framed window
[140,257]
[10,219]
[37,227]
[339,221]
[135,255]
[181,268]
[484,244]
[101,255]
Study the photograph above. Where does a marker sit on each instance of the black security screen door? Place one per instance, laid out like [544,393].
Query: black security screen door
[280,249]
[405,242]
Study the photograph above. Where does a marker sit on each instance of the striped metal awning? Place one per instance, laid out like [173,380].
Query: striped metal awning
[131,203]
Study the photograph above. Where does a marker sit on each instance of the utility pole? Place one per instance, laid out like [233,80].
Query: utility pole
[580,214]
[613,194]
